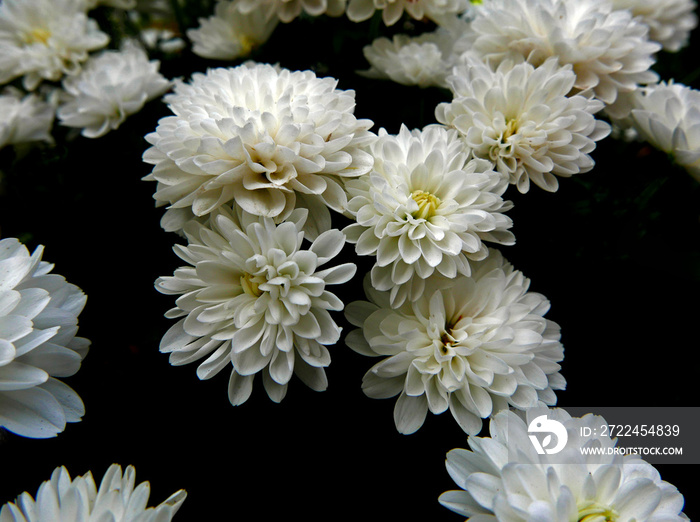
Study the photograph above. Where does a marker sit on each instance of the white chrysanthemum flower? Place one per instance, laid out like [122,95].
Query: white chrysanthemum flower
[118,499]
[38,323]
[425,60]
[288,10]
[231,33]
[111,86]
[503,477]
[425,207]
[392,10]
[25,118]
[667,115]
[253,298]
[475,346]
[670,21]
[608,49]
[268,138]
[523,120]
[45,39]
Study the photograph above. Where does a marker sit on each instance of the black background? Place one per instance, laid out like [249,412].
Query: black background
[615,250]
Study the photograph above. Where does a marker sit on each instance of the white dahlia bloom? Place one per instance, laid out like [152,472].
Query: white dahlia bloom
[474,346]
[253,298]
[523,120]
[230,33]
[608,49]
[118,499]
[38,325]
[425,208]
[670,21]
[392,10]
[112,86]
[288,10]
[267,138]
[503,478]
[424,60]
[667,115]
[25,118]
[45,39]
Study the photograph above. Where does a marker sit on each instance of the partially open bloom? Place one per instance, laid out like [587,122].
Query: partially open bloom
[670,21]
[667,115]
[608,49]
[524,120]
[474,345]
[288,10]
[25,118]
[392,10]
[267,138]
[255,299]
[118,499]
[45,39]
[111,86]
[502,477]
[229,33]
[425,208]
[38,344]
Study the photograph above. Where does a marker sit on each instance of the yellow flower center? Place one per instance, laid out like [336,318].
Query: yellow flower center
[250,286]
[511,128]
[597,513]
[247,44]
[427,204]
[38,35]
[446,338]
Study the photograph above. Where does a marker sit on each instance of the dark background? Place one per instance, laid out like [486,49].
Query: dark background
[615,250]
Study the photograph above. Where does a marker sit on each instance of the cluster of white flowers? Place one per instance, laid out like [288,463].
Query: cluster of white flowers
[255,163]
[118,499]
[38,344]
[46,41]
[502,477]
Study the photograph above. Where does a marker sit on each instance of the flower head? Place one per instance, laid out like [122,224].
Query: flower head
[267,138]
[392,10]
[253,298]
[424,60]
[230,33]
[667,115]
[25,118]
[38,323]
[504,478]
[608,50]
[45,39]
[474,345]
[425,208]
[523,120]
[110,87]
[79,500]
[670,21]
